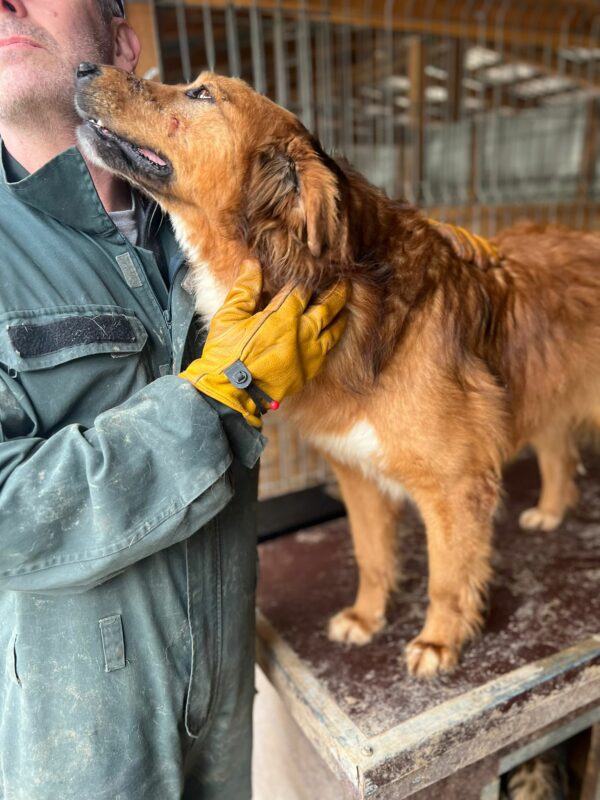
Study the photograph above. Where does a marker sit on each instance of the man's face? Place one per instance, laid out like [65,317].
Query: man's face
[41,43]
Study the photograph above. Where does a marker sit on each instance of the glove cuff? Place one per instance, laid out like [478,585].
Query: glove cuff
[217,386]
[240,376]
[234,387]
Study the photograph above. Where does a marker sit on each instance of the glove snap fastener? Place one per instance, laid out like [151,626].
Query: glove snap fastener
[239,375]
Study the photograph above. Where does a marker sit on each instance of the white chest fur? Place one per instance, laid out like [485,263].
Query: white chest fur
[360,447]
[208,291]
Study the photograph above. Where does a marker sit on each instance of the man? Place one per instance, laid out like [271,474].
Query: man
[127,493]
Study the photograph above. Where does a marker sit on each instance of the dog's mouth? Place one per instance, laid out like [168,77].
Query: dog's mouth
[138,157]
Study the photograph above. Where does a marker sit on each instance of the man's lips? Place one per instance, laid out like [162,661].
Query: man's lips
[18,41]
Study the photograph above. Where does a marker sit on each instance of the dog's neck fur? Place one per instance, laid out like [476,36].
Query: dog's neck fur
[386,294]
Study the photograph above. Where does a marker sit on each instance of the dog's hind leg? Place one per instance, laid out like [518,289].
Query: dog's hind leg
[458,519]
[558,460]
[373,521]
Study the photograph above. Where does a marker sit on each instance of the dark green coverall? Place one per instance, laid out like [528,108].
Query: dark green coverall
[127,516]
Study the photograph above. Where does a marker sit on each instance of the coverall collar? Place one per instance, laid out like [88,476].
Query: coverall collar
[63,189]
[13,170]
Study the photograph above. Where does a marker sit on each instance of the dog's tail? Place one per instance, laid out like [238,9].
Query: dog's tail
[469,247]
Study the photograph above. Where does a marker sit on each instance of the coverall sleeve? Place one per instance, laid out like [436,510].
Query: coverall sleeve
[81,505]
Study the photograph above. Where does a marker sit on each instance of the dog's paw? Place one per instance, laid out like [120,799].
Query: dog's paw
[426,660]
[350,627]
[535,520]
[545,777]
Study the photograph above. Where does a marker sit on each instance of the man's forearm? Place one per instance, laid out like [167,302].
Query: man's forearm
[82,505]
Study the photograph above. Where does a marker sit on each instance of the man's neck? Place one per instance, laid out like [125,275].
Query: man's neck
[33,149]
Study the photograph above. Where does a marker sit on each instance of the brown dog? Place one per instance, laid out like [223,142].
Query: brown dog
[448,367]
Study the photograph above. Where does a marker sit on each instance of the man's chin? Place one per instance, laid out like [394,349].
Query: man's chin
[24,97]
[21,54]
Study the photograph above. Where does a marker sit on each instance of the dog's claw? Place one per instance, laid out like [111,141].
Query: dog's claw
[426,660]
[348,626]
[535,520]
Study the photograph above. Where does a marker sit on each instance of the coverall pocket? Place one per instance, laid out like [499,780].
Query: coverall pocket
[44,338]
[113,642]
[65,358]
[11,660]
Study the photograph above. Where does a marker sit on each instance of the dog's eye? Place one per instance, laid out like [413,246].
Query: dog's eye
[200,93]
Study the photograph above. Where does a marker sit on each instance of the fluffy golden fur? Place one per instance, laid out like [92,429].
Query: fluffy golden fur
[451,361]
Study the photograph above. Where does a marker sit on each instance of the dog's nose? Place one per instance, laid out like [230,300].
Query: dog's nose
[87,70]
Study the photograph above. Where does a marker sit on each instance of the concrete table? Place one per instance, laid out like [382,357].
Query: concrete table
[531,681]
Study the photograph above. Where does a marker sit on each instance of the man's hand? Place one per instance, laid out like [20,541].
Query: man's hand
[279,349]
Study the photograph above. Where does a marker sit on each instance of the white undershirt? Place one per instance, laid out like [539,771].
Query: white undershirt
[126,221]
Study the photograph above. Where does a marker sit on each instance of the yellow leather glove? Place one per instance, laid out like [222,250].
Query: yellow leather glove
[251,360]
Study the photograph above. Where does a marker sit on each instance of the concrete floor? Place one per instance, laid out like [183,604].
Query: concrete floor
[286,766]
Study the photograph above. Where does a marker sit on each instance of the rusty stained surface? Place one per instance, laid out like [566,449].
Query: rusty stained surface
[545,597]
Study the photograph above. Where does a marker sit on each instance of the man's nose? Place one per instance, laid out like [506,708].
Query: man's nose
[16,7]
[87,70]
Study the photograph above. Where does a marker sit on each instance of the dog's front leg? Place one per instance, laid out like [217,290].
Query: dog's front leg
[459,532]
[373,519]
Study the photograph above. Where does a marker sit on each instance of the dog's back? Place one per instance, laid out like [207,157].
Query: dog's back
[551,335]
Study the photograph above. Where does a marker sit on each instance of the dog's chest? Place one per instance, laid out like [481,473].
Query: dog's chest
[209,293]
[361,448]
[359,444]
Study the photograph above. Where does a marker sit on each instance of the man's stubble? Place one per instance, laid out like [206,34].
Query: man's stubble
[37,89]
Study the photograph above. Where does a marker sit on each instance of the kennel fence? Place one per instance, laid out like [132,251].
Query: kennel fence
[481,111]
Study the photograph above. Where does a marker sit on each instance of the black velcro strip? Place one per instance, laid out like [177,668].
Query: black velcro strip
[39,340]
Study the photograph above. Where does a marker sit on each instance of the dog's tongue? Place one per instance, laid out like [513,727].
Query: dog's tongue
[151,156]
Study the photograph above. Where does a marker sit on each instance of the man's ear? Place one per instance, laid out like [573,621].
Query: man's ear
[294,188]
[126,45]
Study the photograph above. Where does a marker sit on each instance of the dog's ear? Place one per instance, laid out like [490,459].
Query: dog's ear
[319,195]
[293,194]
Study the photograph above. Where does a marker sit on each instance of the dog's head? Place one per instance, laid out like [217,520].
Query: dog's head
[218,150]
